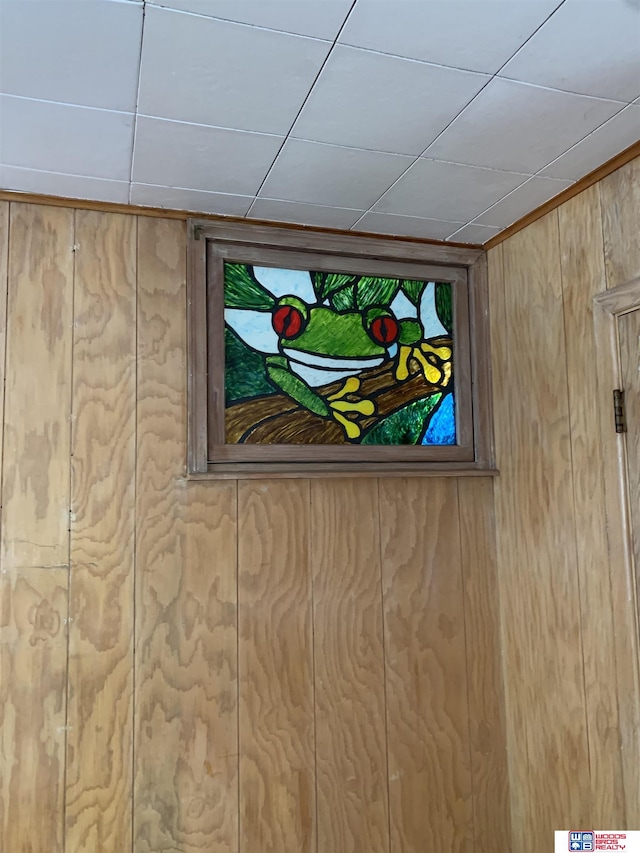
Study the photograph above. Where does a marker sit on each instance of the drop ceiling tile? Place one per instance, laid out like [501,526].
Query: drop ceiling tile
[194,201]
[473,233]
[192,156]
[319,18]
[521,201]
[67,186]
[62,138]
[224,74]
[519,127]
[406,226]
[609,139]
[370,100]
[305,214]
[79,53]
[332,176]
[446,191]
[590,47]
[478,36]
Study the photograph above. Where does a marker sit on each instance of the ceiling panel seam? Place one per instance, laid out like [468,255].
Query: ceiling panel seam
[135,119]
[492,77]
[306,98]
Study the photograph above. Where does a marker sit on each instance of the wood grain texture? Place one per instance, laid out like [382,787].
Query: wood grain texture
[583,276]
[100,687]
[620,199]
[35,479]
[276,690]
[351,761]
[4,261]
[515,712]
[539,591]
[270,235]
[33,664]
[185,789]
[427,710]
[489,782]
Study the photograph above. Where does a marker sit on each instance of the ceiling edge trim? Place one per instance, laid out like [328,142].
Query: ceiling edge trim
[589,180]
[185,215]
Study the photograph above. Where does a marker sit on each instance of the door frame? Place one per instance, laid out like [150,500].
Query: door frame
[607,308]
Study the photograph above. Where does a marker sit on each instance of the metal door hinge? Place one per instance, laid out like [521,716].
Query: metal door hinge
[619,411]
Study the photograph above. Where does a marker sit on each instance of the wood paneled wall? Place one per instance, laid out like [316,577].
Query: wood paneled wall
[573,720]
[191,666]
[302,666]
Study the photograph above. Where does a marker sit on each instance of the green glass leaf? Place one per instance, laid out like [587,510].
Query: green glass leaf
[372,290]
[344,299]
[406,425]
[245,374]
[243,290]
[413,289]
[318,282]
[444,306]
[326,284]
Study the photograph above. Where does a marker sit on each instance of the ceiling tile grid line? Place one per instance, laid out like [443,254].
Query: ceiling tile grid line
[552,12]
[135,120]
[268,173]
[172,8]
[337,39]
[344,113]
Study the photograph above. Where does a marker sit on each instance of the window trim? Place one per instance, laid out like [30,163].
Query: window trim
[210,243]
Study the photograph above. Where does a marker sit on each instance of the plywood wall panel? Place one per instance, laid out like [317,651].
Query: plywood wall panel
[35,479]
[427,709]
[33,671]
[620,199]
[489,775]
[539,588]
[276,738]
[4,259]
[185,788]
[583,276]
[351,759]
[100,714]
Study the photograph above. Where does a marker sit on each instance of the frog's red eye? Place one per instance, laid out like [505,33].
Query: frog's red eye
[385,330]
[287,321]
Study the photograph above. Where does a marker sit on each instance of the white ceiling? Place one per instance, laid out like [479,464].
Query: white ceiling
[446,119]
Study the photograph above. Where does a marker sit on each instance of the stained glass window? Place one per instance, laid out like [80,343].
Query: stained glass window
[337,358]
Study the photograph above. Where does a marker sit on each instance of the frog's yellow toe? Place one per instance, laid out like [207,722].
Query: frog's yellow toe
[351,428]
[350,387]
[443,353]
[402,367]
[362,407]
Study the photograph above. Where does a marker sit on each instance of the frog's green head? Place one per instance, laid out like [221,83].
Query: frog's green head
[319,329]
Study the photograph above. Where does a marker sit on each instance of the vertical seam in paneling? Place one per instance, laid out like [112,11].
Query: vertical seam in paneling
[604,248]
[74,250]
[466,669]
[238,661]
[619,713]
[384,662]
[573,492]
[313,660]
[134,585]
[499,527]
[4,358]
[501,674]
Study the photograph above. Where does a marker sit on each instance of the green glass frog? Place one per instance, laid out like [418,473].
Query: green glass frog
[319,346]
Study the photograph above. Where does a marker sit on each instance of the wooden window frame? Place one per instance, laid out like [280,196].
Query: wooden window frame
[213,243]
